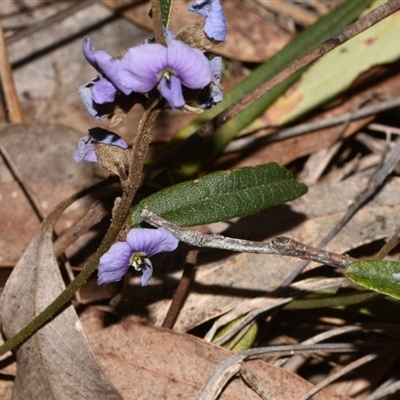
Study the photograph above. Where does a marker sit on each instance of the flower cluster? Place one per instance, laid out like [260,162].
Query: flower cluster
[181,74]
[140,244]
[171,69]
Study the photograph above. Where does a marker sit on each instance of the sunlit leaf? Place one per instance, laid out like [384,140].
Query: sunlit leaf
[380,276]
[336,71]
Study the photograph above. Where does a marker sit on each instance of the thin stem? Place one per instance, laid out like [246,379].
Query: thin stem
[280,245]
[139,152]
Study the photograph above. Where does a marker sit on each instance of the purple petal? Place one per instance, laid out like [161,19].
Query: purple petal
[114,264]
[171,90]
[147,271]
[85,93]
[169,36]
[191,65]
[104,91]
[140,68]
[85,150]
[200,7]
[88,52]
[215,25]
[216,88]
[107,65]
[101,135]
[151,241]
[97,58]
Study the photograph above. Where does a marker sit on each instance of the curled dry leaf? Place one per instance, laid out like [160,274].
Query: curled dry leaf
[56,362]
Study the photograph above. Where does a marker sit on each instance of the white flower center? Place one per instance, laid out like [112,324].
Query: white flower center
[137,259]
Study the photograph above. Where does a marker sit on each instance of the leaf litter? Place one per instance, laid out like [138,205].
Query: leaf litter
[219,285]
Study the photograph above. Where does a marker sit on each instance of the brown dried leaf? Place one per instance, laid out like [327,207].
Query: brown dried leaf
[43,154]
[56,362]
[145,362]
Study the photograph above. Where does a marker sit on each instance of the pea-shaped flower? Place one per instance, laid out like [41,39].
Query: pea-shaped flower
[145,67]
[140,244]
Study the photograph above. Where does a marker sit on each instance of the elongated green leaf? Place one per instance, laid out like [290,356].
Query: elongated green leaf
[223,195]
[380,276]
[165,8]
[311,37]
[336,71]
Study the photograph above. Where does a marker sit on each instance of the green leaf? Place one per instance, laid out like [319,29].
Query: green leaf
[165,8]
[245,341]
[338,69]
[222,195]
[307,40]
[377,275]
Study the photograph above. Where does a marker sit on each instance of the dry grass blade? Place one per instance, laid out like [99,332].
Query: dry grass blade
[345,370]
[259,305]
[227,369]
[7,83]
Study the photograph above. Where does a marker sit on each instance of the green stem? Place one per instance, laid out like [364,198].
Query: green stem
[130,186]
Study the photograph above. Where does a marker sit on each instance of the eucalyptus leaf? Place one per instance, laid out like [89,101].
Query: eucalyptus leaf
[222,195]
[377,275]
[338,69]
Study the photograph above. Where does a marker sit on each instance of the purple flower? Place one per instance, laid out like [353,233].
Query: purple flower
[85,150]
[215,25]
[143,67]
[140,244]
[146,66]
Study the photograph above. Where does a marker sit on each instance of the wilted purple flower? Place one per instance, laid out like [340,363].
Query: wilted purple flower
[215,25]
[140,244]
[144,67]
[85,150]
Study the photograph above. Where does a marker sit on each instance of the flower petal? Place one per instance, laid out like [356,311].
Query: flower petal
[147,271]
[151,241]
[85,93]
[85,150]
[171,90]
[216,88]
[101,135]
[191,65]
[140,68]
[114,264]
[103,91]
[99,58]
[107,65]
[215,25]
